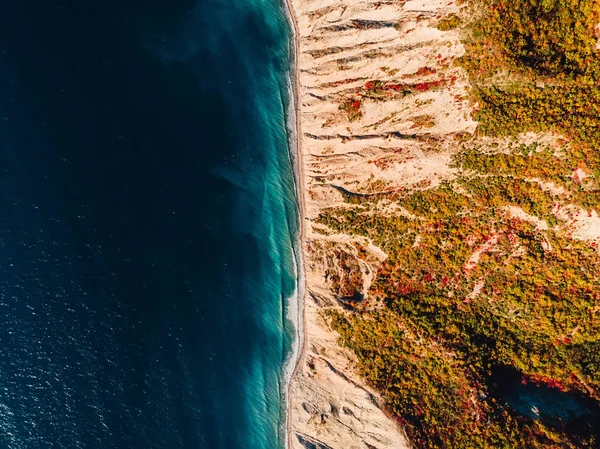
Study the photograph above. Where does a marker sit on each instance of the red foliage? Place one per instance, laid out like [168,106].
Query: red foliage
[544,380]
[424,87]
[423,71]
[406,290]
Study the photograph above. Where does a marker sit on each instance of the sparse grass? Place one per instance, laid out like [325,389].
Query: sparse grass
[352,109]
[449,23]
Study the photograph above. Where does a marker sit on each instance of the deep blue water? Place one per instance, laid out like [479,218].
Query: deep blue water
[576,414]
[147,215]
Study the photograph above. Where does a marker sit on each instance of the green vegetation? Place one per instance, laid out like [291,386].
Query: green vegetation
[470,285]
[352,109]
[548,37]
[545,52]
[449,23]
[528,300]
[423,121]
[343,273]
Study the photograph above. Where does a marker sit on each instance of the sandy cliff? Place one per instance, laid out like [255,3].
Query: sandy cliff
[377,91]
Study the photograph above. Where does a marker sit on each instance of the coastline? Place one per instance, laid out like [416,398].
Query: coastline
[328,405]
[337,380]
[295,149]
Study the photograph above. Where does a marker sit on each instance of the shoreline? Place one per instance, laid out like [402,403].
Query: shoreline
[337,381]
[327,403]
[296,156]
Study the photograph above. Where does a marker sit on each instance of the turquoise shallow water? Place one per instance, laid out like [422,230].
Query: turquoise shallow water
[147,218]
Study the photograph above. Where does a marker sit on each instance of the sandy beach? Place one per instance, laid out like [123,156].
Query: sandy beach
[339,47]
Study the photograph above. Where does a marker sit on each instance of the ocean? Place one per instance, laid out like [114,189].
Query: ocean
[148,215]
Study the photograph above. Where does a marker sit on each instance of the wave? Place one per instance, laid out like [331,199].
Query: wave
[295,304]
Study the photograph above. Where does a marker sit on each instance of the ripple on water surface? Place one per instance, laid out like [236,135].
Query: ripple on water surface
[146,221]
